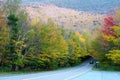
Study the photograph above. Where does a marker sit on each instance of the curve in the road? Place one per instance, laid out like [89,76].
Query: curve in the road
[75,72]
[81,72]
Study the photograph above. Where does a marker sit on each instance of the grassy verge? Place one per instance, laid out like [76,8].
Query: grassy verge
[17,72]
[5,71]
[103,67]
[8,73]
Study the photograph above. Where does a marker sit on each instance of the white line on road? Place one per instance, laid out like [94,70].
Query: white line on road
[54,74]
[73,77]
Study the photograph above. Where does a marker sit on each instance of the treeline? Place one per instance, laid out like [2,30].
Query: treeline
[106,46]
[36,46]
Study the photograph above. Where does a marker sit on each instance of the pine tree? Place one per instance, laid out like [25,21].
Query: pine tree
[14,31]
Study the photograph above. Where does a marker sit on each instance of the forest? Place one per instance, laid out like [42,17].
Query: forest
[36,46]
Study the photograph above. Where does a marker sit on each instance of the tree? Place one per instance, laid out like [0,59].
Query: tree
[107,45]
[4,38]
[14,31]
[75,47]
[51,40]
[114,56]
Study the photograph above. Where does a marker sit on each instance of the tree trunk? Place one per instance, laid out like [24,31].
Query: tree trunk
[13,67]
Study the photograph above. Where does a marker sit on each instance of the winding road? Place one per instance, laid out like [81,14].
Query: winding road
[81,72]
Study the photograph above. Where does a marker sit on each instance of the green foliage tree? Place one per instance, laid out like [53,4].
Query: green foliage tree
[4,38]
[76,46]
[114,56]
[51,40]
[14,31]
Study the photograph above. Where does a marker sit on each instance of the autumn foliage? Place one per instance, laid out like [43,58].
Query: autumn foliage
[108,23]
[36,46]
[108,49]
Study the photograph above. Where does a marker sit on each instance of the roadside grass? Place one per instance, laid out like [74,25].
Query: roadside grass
[9,73]
[103,67]
[17,72]
[6,72]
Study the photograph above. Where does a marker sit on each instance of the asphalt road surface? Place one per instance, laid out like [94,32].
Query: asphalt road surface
[81,72]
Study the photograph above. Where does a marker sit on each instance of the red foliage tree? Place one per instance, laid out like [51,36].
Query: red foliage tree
[108,23]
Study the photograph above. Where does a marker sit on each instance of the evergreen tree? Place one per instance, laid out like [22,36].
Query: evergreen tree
[14,31]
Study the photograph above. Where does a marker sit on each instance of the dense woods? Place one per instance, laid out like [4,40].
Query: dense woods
[29,46]
[106,46]
[36,46]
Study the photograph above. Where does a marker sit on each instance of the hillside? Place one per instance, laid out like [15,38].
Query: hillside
[63,17]
[96,6]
